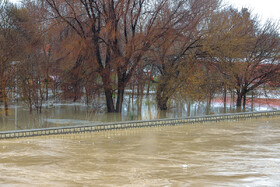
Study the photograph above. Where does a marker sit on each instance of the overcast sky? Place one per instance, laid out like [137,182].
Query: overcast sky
[266,9]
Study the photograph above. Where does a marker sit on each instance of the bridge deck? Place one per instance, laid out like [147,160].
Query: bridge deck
[131,124]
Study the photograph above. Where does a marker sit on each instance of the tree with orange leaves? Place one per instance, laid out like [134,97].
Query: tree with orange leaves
[114,35]
[10,47]
[174,55]
[245,53]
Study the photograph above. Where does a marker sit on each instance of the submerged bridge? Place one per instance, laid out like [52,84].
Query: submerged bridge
[132,124]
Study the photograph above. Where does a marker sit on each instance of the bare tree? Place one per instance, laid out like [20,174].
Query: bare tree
[175,53]
[10,47]
[245,53]
[114,35]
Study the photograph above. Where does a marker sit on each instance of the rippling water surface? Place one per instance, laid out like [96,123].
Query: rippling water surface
[240,153]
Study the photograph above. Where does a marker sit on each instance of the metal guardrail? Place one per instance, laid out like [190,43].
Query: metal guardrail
[131,124]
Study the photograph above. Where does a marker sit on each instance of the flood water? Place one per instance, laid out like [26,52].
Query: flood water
[65,114]
[238,153]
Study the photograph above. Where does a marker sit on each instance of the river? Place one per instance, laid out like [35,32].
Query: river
[237,153]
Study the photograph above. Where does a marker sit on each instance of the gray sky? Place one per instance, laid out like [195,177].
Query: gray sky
[265,9]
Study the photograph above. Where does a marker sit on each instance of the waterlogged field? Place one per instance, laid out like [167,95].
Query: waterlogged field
[238,153]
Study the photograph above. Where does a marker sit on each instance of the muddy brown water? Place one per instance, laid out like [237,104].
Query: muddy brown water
[238,153]
[69,114]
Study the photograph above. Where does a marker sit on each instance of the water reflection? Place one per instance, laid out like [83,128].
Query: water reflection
[244,153]
[134,109]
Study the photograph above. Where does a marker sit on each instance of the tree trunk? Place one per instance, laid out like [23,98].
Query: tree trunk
[106,80]
[241,96]
[239,100]
[232,99]
[47,91]
[162,102]
[120,99]
[138,88]
[129,101]
[208,106]
[162,114]
[47,84]
[122,82]
[161,97]
[139,106]
[189,109]
[5,102]
[252,103]
[132,88]
[109,100]
[142,86]
[225,99]
[244,101]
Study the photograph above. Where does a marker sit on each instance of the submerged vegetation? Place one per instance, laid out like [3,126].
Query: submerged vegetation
[91,50]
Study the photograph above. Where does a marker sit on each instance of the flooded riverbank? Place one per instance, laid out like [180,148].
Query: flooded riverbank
[243,153]
[68,114]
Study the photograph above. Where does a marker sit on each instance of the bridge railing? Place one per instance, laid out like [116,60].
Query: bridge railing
[131,124]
